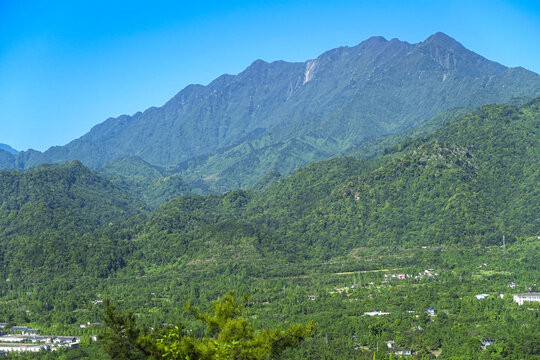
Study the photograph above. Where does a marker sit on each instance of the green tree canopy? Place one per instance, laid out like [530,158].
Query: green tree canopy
[229,336]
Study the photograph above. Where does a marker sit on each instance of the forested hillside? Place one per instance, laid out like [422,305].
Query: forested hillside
[470,182]
[152,184]
[335,230]
[46,216]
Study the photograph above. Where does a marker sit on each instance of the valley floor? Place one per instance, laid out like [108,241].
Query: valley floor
[374,303]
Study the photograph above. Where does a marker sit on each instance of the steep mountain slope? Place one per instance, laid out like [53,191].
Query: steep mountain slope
[8,148]
[8,157]
[472,181]
[7,160]
[280,116]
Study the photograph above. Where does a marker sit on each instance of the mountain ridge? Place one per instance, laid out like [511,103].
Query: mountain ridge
[9,149]
[297,111]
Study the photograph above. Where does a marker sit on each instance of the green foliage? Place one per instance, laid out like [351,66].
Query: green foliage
[122,338]
[266,180]
[152,184]
[229,336]
[442,201]
[50,219]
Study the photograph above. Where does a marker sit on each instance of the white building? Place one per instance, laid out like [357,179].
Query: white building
[11,338]
[23,347]
[521,298]
[375,313]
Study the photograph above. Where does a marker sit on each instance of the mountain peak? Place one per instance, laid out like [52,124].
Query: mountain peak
[258,63]
[452,56]
[376,39]
[255,66]
[441,39]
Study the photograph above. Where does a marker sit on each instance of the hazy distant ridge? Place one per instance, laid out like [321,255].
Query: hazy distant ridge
[8,148]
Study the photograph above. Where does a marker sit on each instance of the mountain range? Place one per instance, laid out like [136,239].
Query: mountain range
[468,183]
[427,186]
[276,117]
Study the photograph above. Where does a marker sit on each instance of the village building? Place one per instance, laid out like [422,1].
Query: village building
[400,276]
[375,313]
[486,343]
[24,339]
[482,296]
[40,338]
[525,297]
[32,332]
[23,347]
[65,339]
[18,329]
[428,272]
[405,352]
[11,338]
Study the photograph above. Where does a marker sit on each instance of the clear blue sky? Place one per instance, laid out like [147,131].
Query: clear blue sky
[66,66]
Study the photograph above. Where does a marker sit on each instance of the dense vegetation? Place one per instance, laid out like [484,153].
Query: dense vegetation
[152,184]
[330,231]
[49,221]
[229,335]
